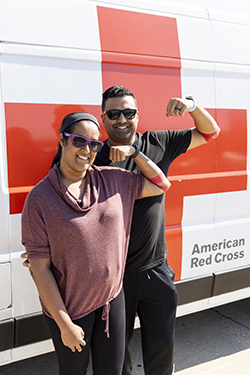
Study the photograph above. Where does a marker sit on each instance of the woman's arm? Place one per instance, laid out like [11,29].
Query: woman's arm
[156,183]
[72,335]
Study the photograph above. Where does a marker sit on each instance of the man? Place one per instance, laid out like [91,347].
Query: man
[148,280]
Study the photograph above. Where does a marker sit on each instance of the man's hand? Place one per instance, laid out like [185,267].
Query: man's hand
[26,263]
[119,153]
[177,107]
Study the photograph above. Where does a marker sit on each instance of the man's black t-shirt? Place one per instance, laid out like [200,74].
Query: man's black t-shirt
[147,246]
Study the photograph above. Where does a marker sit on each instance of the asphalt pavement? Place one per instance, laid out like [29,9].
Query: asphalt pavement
[214,341]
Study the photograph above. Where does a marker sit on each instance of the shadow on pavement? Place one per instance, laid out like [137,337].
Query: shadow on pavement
[212,334]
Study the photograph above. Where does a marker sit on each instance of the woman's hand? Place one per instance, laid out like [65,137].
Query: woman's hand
[73,337]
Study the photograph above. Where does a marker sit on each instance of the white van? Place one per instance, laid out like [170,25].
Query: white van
[57,57]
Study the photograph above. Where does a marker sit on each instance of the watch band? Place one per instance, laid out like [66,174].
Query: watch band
[194,101]
[137,150]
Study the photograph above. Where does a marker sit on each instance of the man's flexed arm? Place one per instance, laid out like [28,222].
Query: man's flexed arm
[206,128]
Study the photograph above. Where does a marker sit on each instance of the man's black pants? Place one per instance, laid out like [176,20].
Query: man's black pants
[152,294]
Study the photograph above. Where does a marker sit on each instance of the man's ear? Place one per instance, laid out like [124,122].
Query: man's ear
[103,119]
[137,116]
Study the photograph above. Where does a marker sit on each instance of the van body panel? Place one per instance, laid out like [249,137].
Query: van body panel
[158,50]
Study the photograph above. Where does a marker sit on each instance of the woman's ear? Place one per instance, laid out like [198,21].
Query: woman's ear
[61,140]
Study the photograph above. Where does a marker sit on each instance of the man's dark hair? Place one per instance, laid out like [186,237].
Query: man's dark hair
[114,92]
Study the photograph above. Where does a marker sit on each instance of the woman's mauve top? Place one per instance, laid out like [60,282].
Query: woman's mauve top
[86,240]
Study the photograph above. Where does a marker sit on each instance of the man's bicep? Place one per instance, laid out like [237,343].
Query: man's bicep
[196,139]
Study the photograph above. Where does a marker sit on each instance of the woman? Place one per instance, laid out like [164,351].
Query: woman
[75,228]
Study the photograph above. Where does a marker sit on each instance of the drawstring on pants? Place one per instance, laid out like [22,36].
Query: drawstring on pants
[105,316]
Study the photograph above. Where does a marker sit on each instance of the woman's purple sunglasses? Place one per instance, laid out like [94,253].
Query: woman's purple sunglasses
[79,141]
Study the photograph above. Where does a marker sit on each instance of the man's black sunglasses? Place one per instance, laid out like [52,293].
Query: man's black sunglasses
[114,114]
